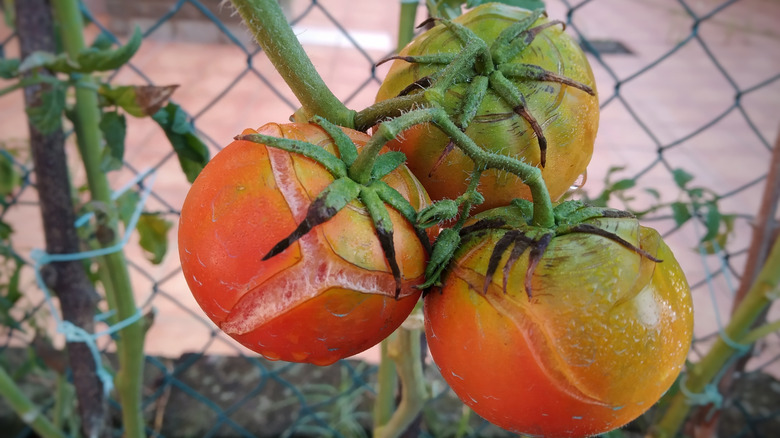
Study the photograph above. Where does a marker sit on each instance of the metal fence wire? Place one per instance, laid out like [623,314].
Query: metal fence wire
[690,96]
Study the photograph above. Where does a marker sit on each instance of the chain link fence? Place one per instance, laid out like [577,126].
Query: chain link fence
[690,95]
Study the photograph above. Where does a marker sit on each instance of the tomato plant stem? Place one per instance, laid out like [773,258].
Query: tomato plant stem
[406,22]
[270,28]
[130,345]
[404,349]
[28,411]
[387,381]
[701,374]
[531,176]
[385,109]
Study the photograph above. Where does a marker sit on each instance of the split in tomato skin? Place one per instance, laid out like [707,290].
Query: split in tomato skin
[603,335]
[567,116]
[328,296]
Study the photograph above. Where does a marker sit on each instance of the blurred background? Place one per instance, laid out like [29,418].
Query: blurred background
[690,95]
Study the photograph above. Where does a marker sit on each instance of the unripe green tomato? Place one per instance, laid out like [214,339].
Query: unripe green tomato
[568,116]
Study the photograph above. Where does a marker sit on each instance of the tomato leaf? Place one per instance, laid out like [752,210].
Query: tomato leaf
[9,68]
[653,192]
[114,128]
[138,100]
[154,236]
[40,59]
[623,184]
[126,205]
[712,221]
[192,152]
[47,116]
[527,4]
[9,177]
[97,59]
[681,177]
[680,212]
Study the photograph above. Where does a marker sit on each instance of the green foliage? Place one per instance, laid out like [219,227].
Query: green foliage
[47,117]
[137,100]
[9,68]
[154,236]
[92,59]
[114,127]
[699,202]
[192,152]
[527,4]
[450,9]
[9,176]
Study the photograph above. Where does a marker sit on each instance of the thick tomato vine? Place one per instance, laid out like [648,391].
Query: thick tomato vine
[331,293]
[560,334]
[537,93]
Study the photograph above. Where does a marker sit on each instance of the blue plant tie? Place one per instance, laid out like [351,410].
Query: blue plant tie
[72,332]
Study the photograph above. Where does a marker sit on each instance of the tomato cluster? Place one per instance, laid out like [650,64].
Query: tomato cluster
[306,242]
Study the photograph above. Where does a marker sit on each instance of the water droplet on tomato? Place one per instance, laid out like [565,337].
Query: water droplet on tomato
[580,181]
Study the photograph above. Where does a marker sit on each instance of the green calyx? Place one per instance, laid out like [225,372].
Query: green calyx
[514,224]
[357,176]
[484,67]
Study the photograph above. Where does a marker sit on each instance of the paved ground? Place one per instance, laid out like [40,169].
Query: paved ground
[673,100]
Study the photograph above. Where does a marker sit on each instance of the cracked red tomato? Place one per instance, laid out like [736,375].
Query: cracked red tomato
[590,341]
[328,296]
[547,89]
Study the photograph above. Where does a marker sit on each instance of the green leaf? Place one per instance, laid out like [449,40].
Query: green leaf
[137,100]
[9,68]
[126,205]
[154,236]
[192,152]
[96,59]
[9,177]
[5,232]
[102,42]
[47,117]
[623,184]
[712,221]
[654,193]
[680,212]
[40,59]
[9,12]
[527,4]
[681,177]
[114,127]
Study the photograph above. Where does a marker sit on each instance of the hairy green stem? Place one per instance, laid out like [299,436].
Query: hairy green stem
[387,382]
[404,350]
[389,108]
[25,408]
[130,344]
[701,374]
[270,28]
[531,176]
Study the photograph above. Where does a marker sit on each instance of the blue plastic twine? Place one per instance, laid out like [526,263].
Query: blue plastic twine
[72,332]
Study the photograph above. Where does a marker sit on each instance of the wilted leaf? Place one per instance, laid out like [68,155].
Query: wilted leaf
[154,236]
[47,117]
[138,100]
[39,59]
[192,152]
[114,128]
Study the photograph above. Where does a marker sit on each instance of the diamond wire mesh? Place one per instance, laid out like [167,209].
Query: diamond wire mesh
[697,91]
